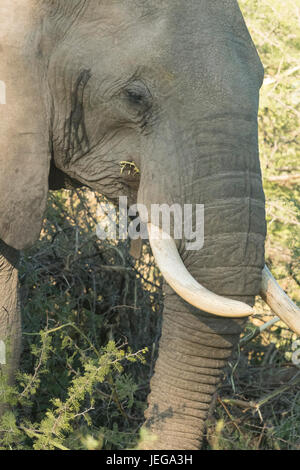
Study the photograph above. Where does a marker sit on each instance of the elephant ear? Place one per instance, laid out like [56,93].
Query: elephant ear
[24,135]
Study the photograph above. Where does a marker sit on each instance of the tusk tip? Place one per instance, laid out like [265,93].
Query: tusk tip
[279,302]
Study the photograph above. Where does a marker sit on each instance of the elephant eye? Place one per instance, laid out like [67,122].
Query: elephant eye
[134,97]
[137,94]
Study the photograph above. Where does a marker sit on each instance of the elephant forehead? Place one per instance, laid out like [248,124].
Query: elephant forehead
[124,38]
[169,30]
[112,15]
[203,51]
[114,51]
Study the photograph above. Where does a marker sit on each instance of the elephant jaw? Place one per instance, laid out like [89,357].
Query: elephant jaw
[182,282]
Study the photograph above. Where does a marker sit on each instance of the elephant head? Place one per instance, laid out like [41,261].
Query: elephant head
[173,87]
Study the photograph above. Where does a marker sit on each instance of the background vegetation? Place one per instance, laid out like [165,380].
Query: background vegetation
[92,314]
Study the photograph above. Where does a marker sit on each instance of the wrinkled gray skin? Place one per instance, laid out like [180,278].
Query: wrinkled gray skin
[172,86]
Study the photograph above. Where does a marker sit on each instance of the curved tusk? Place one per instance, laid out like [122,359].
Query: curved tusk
[279,301]
[177,276]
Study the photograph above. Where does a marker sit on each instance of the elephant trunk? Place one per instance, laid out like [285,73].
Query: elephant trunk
[194,349]
[224,175]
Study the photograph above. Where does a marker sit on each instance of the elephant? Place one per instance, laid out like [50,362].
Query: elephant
[173,88]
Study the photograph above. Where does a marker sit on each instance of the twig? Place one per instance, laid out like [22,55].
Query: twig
[240,403]
[284,178]
[105,267]
[258,330]
[295,381]
[230,417]
[37,434]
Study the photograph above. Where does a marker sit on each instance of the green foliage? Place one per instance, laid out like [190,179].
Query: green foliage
[90,316]
[67,418]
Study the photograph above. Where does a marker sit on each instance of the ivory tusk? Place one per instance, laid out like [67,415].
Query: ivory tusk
[177,276]
[279,301]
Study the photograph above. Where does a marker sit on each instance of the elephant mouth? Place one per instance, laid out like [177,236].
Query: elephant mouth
[182,282]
